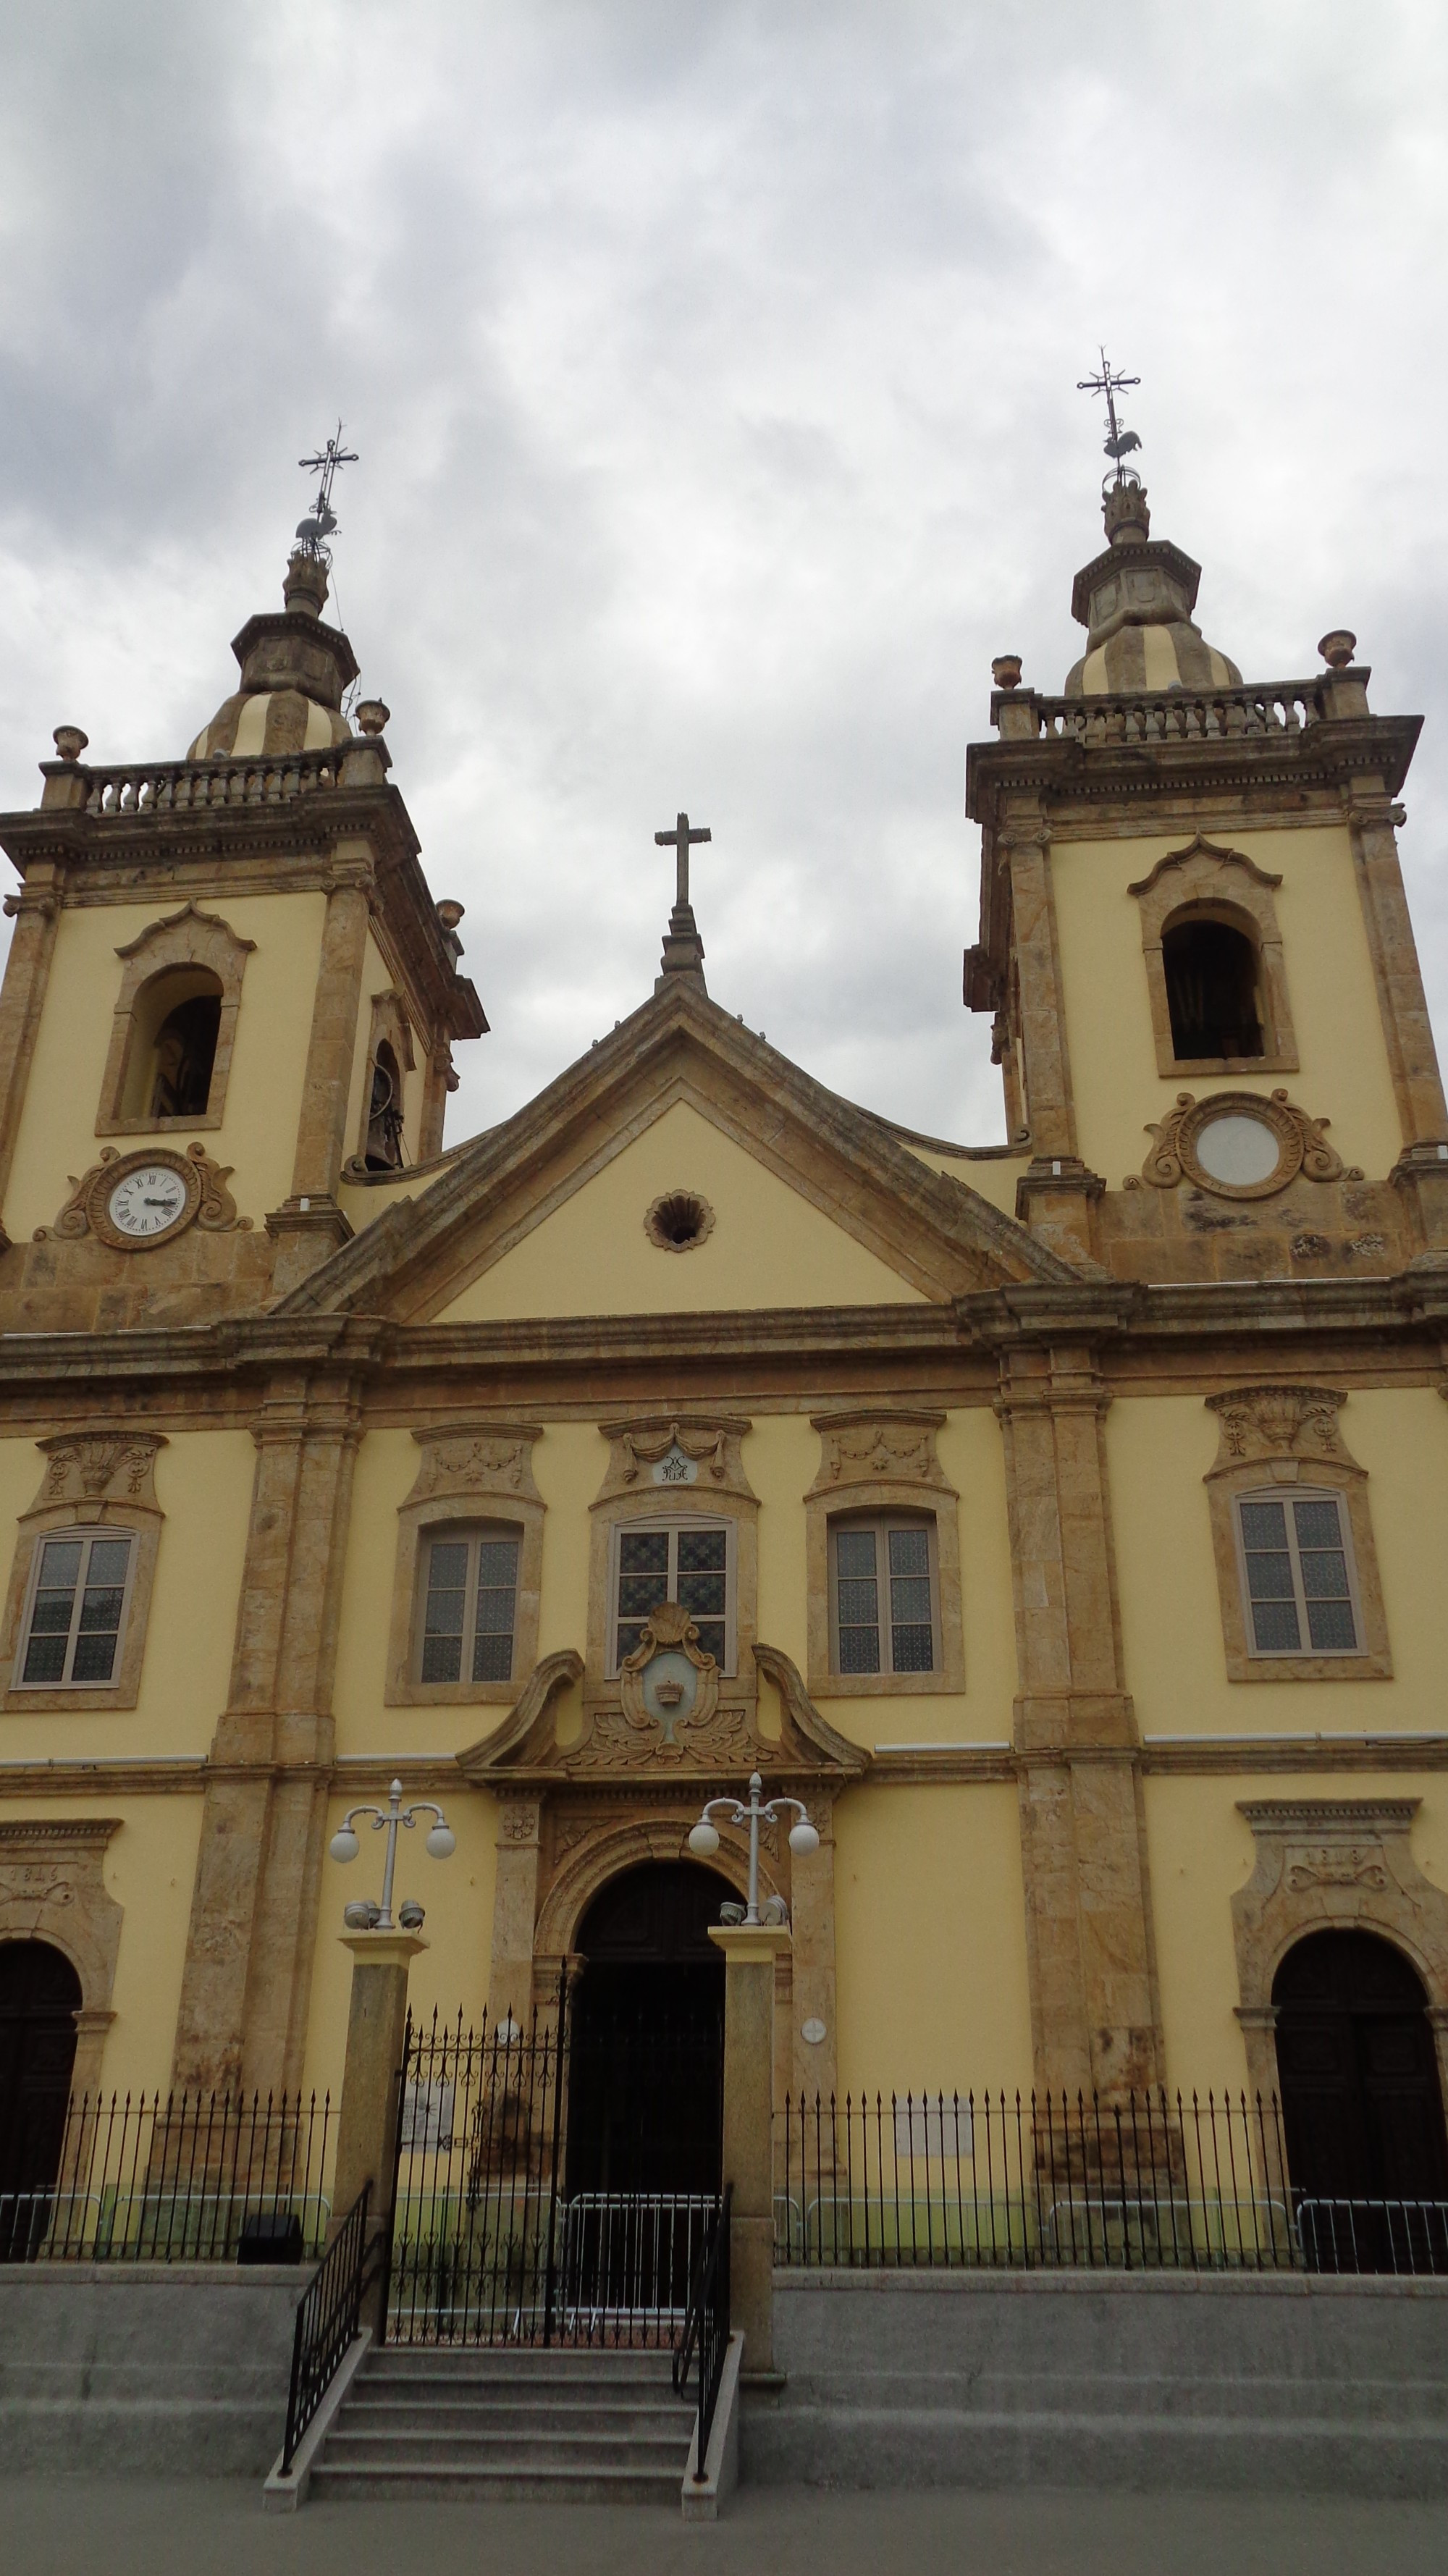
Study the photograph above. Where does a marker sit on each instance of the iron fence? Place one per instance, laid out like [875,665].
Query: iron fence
[1152,2182]
[328,2320]
[174,2178]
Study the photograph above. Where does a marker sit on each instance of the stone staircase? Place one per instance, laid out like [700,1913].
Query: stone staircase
[509,2426]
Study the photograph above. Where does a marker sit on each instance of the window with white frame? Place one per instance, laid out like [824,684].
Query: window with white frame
[691,1562]
[76,1613]
[469,1593]
[883,1595]
[1298,1579]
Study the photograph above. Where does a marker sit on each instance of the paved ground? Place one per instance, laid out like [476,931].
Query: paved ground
[140,2528]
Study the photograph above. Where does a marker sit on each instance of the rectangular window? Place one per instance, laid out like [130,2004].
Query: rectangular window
[77,1609]
[683,1562]
[1297,1565]
[884,1597]
[469,1606]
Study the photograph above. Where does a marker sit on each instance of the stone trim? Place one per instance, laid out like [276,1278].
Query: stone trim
[468,1472]
[52,1888]
[871,1461]
[1302,1145]
[720,1491]
[1205,883]
[390,1026]
[189,937]
[92,1479]
[1332,1864]
[1285,1436]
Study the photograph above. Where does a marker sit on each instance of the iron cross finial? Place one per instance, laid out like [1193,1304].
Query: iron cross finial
[1119,441]
[681,839]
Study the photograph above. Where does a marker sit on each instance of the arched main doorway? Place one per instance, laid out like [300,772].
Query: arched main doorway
[39,1999]
[1362,2105]
[646,2054]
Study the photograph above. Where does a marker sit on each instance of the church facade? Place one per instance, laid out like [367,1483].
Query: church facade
[1061,1521]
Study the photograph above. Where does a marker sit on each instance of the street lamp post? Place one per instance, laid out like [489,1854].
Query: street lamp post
[704,1840]
[364,1914]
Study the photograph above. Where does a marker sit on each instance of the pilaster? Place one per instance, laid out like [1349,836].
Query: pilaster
[515,1911]
[36,910]
[1402,1003]
[310,1225]
[1024,848]
[247,1977]
[1095,2014]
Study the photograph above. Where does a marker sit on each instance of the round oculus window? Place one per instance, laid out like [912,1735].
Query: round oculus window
[1238,1150]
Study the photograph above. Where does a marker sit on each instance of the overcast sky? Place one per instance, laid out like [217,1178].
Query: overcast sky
[713,372]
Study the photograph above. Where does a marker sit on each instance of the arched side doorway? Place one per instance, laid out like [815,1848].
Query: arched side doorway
[646,2049]
[40,1995]
[1362,2106]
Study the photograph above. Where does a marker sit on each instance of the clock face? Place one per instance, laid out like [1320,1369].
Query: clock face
[148,1202]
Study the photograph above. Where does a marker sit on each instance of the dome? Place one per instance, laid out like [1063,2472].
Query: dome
[1135,602]
[294,670]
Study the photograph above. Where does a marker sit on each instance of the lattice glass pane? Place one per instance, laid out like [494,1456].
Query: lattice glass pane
[1332,1628]
[910,1600]
[859,1650]
[447,1565]
[1317,1525]
[703,1594]
[52,1611]
[100,1609]
[1274,1626]
[859,1605]
[630,1638]
[1269,1578]
[442,1658]
[95,1657]
[702,1551]
[493,1654]
[442,1639]
[644,1552]
[60,1564]
[711,1639]
[1324,1574]
[855,1552]
[638,1594]
[912,1649]
[909,1551]
[1264,1525]
[497,1564]
[45,1657]
[108,1560]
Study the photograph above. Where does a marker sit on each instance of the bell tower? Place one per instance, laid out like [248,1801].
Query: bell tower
[1195,944]
[230,1001]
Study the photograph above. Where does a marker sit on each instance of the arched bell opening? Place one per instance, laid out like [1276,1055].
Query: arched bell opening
[1362,2105]
[1214,989]
[40,1995]
[646,2048]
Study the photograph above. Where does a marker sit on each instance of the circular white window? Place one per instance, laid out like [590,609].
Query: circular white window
[1239,1151]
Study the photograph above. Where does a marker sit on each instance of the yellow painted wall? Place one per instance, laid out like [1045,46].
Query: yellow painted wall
[769,1246]
[992,1177]
[149,1868]
[258,1133]
[204,1485]
[1201,1853]
[1158,1450]
[1344,1072]
[930,1933]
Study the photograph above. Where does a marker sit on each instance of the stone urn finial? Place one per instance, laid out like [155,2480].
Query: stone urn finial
[373,715]
[69,741]
[1338,648]
[1005,670]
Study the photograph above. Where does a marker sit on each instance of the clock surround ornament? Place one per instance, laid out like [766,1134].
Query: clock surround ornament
[135,1202]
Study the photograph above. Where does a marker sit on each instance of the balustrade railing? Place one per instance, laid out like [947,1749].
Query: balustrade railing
[1282,710]
[138,788]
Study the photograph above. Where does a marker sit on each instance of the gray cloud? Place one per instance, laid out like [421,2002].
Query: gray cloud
[713,370]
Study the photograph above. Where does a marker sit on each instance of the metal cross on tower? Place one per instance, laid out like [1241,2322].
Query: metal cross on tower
[321,522]
[1119,441]
[683,948]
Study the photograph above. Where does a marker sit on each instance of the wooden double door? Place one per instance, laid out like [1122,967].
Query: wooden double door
[1362,2106]
[39,1999]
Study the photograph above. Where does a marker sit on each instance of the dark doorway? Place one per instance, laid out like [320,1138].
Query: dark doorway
[646,2062]
[1211,991]
[39,2000]
[1362,2106]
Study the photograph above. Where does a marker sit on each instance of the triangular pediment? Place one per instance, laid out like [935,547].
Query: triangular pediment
[801,1200]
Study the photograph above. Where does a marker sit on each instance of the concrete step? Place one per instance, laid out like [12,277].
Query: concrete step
[545,2449]
[515,2363]
[503,2412]
[419,2483]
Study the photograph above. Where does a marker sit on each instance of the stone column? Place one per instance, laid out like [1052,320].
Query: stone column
[1056,1195]
[247,1979]
[371,2099]
[309,1225]
[1095,2014]
[22,997]
[438,1081]
[750,1953]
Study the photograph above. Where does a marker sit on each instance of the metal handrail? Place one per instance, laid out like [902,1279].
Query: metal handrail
[706,2329]
[328,2321]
